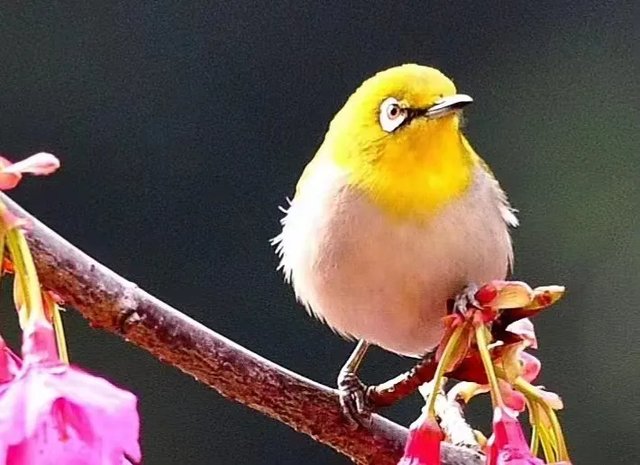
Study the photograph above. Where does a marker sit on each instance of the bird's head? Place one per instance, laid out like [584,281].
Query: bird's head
[398,136]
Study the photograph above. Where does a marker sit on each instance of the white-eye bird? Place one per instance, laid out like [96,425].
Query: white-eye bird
[394,217]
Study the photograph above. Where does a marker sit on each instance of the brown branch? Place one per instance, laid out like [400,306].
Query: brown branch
[405,384]
[111,302]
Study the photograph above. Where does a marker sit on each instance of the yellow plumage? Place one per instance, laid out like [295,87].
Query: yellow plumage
[410,172]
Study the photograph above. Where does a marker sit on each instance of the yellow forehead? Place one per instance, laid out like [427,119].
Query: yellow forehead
[415,85]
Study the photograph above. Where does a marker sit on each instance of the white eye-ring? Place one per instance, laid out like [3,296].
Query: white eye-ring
[392,114]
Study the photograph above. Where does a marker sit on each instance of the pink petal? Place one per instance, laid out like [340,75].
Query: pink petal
[524,328]
[9,180]
[77,418]
[39,344]
[513,399]
[423,443]
[47,447]
[39,164]
[517,457]
[530,366]
[507,445]
[10,363]
[552,399]
[10,220]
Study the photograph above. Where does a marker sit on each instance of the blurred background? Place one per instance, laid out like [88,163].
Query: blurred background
[182,126]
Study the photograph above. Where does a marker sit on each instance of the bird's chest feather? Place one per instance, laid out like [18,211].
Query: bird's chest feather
[387,279]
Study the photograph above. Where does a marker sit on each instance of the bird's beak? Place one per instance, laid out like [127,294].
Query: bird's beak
[446,105]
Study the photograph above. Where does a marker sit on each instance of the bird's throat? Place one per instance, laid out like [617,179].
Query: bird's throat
[418,176]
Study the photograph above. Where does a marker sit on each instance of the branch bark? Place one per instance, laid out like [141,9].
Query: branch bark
[117,305]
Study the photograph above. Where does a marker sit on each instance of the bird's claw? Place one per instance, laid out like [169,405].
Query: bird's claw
[466,299]
[354,400]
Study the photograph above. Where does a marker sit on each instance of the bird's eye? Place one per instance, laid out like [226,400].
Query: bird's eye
[391,114]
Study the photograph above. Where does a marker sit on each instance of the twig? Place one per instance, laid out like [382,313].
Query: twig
[405,384]
[111,302]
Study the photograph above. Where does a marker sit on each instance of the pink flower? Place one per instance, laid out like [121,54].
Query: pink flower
[39,164]
[507,445]
[516,362]
[525,330]
[10,363]
[52,413]
[423,443]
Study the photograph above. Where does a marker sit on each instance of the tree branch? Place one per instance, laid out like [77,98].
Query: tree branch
[111,302]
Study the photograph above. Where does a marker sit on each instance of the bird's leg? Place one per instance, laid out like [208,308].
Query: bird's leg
[465,299]
[353,394]
[407,383]
[358,400]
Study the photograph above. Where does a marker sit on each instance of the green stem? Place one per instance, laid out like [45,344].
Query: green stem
[535,434]
[547,447]
[483,343]
[25,272]
[536,398]
[26,279]
[2,246]
[555,424]
[535,441]
[58,327]
[443,365]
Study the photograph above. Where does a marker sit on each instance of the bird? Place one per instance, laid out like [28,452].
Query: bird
[395,217]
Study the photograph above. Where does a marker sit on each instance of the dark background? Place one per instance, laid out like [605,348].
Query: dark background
[183,125]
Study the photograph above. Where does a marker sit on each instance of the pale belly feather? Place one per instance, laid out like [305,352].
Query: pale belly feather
[387,280]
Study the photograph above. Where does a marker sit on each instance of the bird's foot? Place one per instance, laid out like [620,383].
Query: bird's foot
[465,300]
[354,399]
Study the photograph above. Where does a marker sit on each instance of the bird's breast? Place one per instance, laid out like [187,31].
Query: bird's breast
[386,280]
